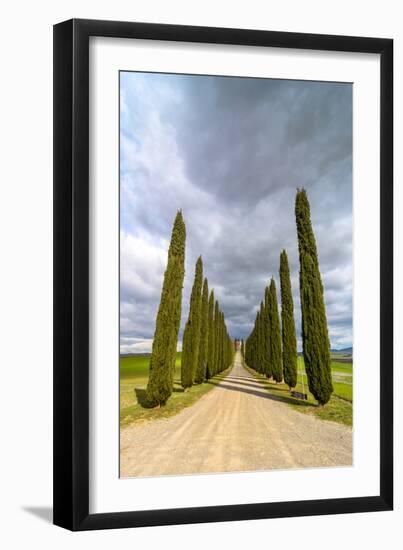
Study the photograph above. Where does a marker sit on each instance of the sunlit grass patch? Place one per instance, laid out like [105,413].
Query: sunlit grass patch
[133,383]
[338,409]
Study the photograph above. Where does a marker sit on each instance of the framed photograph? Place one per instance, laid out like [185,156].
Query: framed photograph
[223,274]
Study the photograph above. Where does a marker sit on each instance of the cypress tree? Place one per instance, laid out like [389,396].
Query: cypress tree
[315,336]
[275,335]
[268,369]
[224,338]
[255,363]
[204,327]
[262,339]
[220,339]
[224,344]
[255,342]
[211,343]
[216,338]
[248,342]
[163,355]
[288,324]
[251,345]
[229,350]
[219,342]
[191,335]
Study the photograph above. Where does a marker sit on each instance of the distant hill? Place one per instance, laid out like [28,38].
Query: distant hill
[135,354]
[343,350]
[144,354]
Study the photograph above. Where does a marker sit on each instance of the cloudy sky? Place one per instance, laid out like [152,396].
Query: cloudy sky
[230,152]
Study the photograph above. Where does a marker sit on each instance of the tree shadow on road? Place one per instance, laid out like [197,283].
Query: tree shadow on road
[264,394]
[255,382]
[230,377]
[249,382]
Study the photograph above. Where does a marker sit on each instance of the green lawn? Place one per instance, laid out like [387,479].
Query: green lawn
[133,382]
[338,409]
[342,375]
[342,367]
[134,376]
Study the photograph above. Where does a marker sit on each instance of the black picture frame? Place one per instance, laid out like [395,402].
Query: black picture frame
[71,274]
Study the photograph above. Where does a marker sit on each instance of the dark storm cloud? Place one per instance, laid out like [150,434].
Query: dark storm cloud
[230,153]
[245,139]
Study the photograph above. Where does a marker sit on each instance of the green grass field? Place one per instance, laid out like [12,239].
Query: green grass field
[340,406]
[133,382]
[134,376]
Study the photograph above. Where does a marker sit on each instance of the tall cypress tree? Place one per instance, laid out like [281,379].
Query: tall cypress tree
[224,344]
[216,337]
[255,342]
[288,324]
[262,338]
[191,335]
[275,335]
[163,356]
[220,340]
[267,370]
[204,328]
[255,363]
[267,366]
[248,345]
[211,342]
[251,345]
[315,337]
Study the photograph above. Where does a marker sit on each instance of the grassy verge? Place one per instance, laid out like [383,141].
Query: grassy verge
[338,409]
[133,382]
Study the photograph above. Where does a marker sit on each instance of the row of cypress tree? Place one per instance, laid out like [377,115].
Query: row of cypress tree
[275,354]
[263,346]
[207,348]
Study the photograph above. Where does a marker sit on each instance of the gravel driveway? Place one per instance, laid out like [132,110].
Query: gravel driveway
[237,426]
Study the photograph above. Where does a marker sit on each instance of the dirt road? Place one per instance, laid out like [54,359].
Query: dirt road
[237,426]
